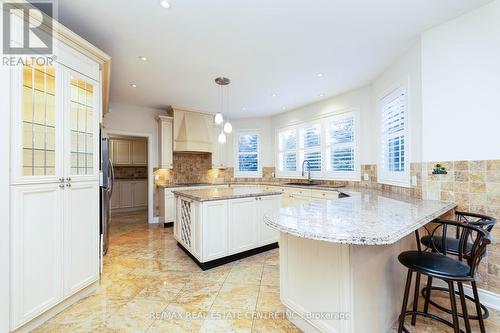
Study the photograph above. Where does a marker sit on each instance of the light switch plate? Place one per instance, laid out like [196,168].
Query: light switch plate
[366,177]
[414,181]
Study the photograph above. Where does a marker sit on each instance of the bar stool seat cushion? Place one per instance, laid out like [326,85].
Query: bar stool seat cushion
[434,263]
[452,244]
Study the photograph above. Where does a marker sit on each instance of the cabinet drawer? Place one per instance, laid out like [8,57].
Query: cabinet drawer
[299,192]
[327,195]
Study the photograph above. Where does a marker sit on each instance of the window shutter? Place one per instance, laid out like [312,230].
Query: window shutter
[393,131]
[341,144]
[310,140]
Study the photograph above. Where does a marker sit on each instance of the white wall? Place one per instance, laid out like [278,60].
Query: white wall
[135,119]
[405,70]
[461,87]
[359,98]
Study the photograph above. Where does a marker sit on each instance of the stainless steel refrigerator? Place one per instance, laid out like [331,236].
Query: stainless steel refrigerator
[107,179]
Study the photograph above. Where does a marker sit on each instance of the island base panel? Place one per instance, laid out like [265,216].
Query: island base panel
[222,261]
[359,286]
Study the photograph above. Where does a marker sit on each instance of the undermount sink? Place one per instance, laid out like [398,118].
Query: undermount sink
[302,184]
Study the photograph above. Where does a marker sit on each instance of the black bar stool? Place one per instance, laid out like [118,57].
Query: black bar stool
[450,270]
[450,246]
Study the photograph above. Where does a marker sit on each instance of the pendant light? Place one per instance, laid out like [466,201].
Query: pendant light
[222,138]
[228,128]
[219,119]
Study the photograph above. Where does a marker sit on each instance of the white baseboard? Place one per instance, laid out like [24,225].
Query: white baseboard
[487,298]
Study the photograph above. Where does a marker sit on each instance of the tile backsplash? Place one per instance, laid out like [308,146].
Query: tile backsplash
[130,172]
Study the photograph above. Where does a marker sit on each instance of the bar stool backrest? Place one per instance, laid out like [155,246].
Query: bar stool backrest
[467,232]
[480,220]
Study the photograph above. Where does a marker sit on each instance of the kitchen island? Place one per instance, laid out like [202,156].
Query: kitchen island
[217,225]
[338,259]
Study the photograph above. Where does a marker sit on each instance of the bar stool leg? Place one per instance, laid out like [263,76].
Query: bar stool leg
[405,301]
[453,302]
[464,307]
[428,294]
[478,307]
[415,300]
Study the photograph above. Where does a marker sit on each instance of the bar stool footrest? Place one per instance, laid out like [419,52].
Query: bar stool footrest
[485,315]
[431,316]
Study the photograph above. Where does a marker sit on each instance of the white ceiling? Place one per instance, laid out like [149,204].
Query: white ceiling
[265,47]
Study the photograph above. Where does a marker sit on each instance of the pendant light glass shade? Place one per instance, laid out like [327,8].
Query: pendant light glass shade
[228,128]
[222,137]
[218,118]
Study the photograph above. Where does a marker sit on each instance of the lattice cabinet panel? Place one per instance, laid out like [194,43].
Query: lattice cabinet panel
[186,222]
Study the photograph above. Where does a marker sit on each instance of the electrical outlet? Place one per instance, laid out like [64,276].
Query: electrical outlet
[414,181]
[366,177]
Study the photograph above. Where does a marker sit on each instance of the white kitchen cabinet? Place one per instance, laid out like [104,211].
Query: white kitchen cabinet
[55,134]
[126,195]
[129,152]
[122,152]
[215,237]
[243,224]
[140,193]
[129,194]
[81,235]
[218,151]
[169,206]
[267,205]
[36,250]
[165,135]
[139,153]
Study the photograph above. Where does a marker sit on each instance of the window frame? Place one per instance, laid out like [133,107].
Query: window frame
[287,174]
[324,121]
[247,174]
[385,176]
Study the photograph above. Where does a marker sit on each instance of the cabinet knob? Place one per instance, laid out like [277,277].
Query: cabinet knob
[68,179]
[61,185]
[61,180]
[68,185]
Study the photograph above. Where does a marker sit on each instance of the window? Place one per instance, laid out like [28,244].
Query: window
[340,145]
[329,144]
[247,155]
[310,146]
[287,155]
[393,151]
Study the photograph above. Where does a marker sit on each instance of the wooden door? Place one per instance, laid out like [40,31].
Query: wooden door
[267,205]
[140,193]
[81,234]
[214,230]
[139,152]
[36,250]
[126,195]
[242,224]
[122,151]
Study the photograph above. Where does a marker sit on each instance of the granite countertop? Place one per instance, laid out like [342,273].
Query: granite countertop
[312,187]
[131,178]
[211,194]
[367,217]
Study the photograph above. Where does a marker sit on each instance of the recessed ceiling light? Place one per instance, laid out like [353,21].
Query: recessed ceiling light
[143,58]
[320,74]
[243,108]
[165,4]
[321,95]
[274,95]
[133,85]
[283,108]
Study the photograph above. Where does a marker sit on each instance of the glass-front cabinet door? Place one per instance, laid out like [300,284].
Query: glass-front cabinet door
[55,124]
[83,133]
[35,148]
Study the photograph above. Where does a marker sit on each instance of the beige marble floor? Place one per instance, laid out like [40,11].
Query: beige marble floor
[150,285]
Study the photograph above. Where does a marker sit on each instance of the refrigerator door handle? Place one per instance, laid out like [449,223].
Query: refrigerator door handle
[112,179]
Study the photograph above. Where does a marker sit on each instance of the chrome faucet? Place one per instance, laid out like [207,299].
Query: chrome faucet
[308,170]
